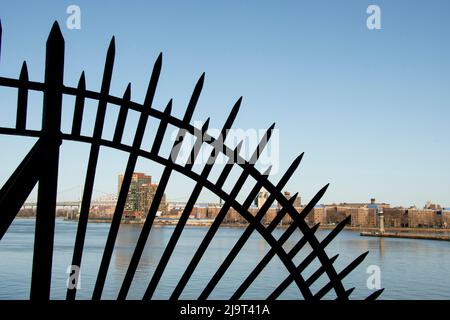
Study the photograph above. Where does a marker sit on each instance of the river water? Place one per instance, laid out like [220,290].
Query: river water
[409,269]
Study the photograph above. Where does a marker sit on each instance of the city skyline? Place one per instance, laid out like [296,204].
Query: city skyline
[145,180]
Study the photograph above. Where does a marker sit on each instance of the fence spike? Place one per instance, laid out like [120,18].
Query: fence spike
[375,295]
[22,98]
[194,99]
[55,39]
[341,275]
[349,291]
[261,145]
[153,82]
[79,106]
[231,118]
[0,39]
[122,117]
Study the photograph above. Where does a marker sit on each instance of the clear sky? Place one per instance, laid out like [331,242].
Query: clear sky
[370,108]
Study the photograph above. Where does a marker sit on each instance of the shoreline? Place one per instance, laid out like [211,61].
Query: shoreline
[207,222]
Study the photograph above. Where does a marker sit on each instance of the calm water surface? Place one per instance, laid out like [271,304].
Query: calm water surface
[410,269]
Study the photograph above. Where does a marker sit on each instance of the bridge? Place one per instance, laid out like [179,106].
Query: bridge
[107,199]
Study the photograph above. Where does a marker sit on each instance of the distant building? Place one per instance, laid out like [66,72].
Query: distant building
[432,206]
[423,218]
[365,204]
[140,195]
[317,215]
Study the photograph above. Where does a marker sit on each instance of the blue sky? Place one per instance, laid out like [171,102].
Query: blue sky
[370,108]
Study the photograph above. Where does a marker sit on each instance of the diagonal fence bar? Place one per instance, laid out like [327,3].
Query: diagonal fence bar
[181,222]
[248,231]
[192,199]
[18,187]
[341,275]
[146,228]
[308,259]
[265,261]
[224,210]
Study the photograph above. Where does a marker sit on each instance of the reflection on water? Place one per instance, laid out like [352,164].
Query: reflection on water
[381,241]
[410,269]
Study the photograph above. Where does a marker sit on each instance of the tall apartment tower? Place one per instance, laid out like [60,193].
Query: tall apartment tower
[138,181]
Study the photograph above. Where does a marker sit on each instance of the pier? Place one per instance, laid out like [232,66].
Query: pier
[406,235]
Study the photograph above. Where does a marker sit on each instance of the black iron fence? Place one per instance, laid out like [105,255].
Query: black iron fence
[41,165]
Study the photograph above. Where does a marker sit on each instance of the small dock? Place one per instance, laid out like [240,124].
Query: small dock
[406,235]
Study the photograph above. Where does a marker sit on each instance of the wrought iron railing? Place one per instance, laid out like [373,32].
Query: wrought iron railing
[41,165]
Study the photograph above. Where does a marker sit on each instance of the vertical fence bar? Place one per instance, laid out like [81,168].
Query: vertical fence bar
[79,106]
[126,182]
[92,164]
[22,98]
[51,136]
